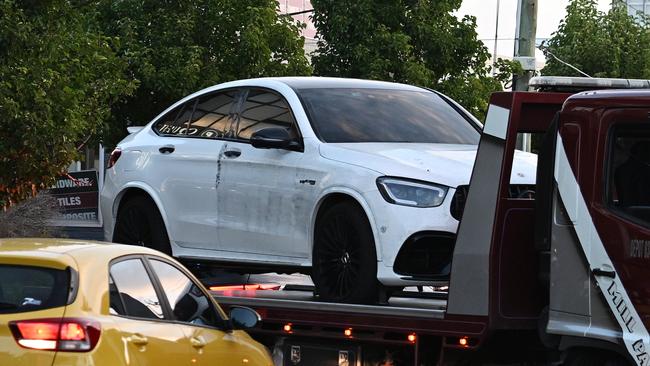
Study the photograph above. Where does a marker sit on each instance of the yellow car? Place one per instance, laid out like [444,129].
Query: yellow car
[66,302]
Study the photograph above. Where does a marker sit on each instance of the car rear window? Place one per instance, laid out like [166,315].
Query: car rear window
[385,115]
[27,288]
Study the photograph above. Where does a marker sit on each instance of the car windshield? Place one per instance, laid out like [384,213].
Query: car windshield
[385,115]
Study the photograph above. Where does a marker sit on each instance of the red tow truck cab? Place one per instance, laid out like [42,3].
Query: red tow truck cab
[560,278]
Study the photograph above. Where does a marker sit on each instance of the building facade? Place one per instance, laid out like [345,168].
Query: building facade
[635,8]
[302,7]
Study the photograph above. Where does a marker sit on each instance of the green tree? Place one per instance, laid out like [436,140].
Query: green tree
[412,41]
[58,79]
[600,44]
[174,48]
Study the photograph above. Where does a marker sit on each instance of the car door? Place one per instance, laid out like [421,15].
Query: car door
[186,169]
[149,338]
[202,322]
[256,196]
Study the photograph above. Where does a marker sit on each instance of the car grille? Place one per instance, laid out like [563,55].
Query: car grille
[523,191]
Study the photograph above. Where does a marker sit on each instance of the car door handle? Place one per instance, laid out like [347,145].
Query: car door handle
[138,340]
[197,342]
[604,272]
[167,149]
[232,153]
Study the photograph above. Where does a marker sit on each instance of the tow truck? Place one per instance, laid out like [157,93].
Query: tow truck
[560,276]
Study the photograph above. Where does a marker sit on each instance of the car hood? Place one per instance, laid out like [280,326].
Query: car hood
[448,164]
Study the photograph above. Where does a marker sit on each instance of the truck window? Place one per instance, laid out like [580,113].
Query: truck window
[629,172]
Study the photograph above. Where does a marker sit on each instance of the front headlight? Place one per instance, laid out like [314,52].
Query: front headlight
[406,192]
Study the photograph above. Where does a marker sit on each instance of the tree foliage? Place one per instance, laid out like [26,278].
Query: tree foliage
[174,48]
[71,70]
[600,44]
[412,41]
[58,78]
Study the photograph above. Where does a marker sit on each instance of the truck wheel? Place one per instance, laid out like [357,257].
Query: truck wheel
[344,256]
[139,223]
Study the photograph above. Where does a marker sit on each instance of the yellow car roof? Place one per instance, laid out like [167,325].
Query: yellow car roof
[64,252]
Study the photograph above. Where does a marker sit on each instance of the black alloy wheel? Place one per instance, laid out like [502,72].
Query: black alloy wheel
[344,256]
[139,223]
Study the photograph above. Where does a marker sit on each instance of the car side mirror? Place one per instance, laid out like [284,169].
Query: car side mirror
[243,318]
[272,138]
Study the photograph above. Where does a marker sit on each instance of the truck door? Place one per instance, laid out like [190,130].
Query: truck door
[622,215]
[600,224]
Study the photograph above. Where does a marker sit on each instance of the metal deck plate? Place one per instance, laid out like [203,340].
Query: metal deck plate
[304,300]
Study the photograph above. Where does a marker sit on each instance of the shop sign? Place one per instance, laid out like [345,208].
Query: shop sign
[76,195]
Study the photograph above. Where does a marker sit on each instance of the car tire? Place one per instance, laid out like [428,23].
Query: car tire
[344,257]
[139,223]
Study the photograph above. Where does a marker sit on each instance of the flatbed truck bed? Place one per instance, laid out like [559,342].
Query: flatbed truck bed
[294,317]
[407,307]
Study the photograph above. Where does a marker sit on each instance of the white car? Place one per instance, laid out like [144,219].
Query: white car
[360,183]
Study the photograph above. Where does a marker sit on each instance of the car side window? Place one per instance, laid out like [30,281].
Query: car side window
[132,292]
[629,172]
[188,303]
[174,122]
[263,109]
[116,307]
[212,115]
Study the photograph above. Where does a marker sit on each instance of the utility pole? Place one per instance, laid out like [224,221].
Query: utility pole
[525,53]
[525,44]
[496,40]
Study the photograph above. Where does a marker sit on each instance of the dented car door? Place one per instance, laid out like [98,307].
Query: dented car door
[257,194]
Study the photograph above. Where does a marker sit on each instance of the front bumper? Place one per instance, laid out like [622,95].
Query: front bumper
[394,225]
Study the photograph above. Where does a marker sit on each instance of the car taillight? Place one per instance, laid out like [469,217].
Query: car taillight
[114,156]
[67,334]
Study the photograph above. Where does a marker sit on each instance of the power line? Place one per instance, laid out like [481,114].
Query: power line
[512,39]
[298,12]
[546,51]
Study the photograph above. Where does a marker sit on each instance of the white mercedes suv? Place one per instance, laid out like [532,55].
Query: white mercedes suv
[359,183]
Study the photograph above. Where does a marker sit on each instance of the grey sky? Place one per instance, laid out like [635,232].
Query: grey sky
[549,14]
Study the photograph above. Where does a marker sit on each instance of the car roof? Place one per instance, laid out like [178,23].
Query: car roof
[318,82]
[53,249]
